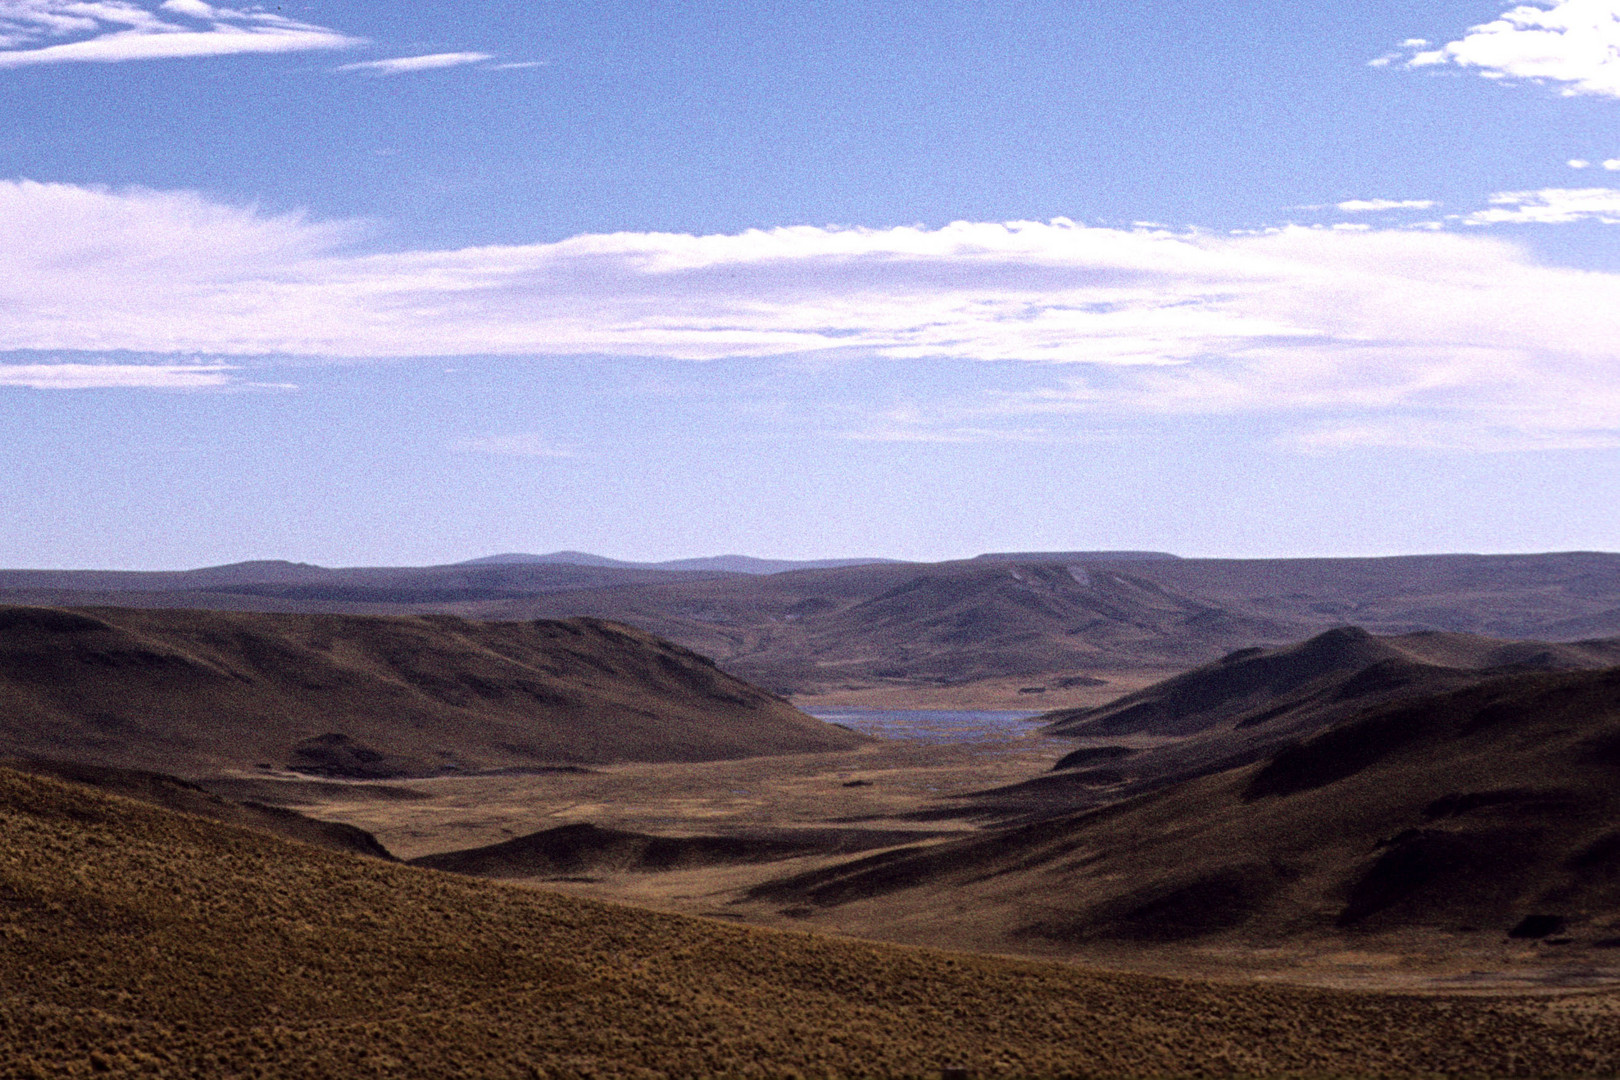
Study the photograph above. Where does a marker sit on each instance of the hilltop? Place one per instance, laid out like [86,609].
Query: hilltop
[194,692]
[137,941]
[1015,621]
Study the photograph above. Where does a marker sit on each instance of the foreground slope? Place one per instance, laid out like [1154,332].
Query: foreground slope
[193,691]
[140,942]
[1468,816]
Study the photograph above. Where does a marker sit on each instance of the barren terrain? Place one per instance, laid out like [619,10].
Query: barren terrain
[932,634]
[140,942]
[1429,813]
[197,692]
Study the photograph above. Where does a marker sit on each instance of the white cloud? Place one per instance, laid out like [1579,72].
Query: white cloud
[1300,321]
[1550,206]
[1612,164]
[403,64]
[1572,43]
[1448,434]
[1362,206]
[1578,163]
[70,376]
[526,444]
[105,31]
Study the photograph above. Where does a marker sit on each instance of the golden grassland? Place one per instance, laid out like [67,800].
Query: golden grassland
[137,941]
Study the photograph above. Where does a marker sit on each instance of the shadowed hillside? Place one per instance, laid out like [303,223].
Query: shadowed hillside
[926,625]
[351,696]
[1248,687]
[1474,814]
[1245,706]
[139,942]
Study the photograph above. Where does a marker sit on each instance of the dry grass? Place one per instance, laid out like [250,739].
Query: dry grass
[136,941]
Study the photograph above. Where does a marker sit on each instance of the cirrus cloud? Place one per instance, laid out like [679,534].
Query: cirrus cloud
[36,32]
[1366,206]
[108,376]
[401,65]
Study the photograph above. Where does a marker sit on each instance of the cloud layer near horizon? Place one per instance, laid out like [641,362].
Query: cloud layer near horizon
[107,31]
[1307,320]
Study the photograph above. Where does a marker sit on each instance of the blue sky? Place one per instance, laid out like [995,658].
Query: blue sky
[351,285]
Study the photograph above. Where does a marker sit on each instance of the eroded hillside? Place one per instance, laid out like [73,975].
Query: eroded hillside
[367,696]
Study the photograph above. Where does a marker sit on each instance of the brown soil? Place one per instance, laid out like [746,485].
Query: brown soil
[1036,692]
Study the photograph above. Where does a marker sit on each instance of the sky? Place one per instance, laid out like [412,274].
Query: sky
[387,284]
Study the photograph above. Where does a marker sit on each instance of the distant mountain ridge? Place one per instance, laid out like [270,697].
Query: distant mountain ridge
[1075,556]
[726,564]
[1036,616]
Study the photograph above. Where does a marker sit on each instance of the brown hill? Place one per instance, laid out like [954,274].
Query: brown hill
[1251,686]
[1248,704]
[572,849]
[922,625]
[172,793]
[139,942]
[1469,815]
[195,692]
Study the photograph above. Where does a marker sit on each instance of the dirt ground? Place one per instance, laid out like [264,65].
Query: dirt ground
[1037,693]
[874,787]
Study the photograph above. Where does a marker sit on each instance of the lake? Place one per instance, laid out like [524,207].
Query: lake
[934,725]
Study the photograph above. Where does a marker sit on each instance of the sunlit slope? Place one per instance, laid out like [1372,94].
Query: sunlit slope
[1462,813]
[190,691]
[141,942]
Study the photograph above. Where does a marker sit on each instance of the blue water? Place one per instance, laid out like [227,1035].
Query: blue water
[934,725]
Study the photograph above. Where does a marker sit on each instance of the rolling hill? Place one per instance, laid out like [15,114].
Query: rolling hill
[1253,701]
[193,693]
[1467,818]
[1033,616]
[137,941]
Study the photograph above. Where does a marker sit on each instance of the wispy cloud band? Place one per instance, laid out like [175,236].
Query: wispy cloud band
[106,376]
[401,65]
[1376,321]
[36,32]
[1550,206]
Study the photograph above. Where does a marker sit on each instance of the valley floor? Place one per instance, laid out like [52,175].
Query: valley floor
[893,793]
